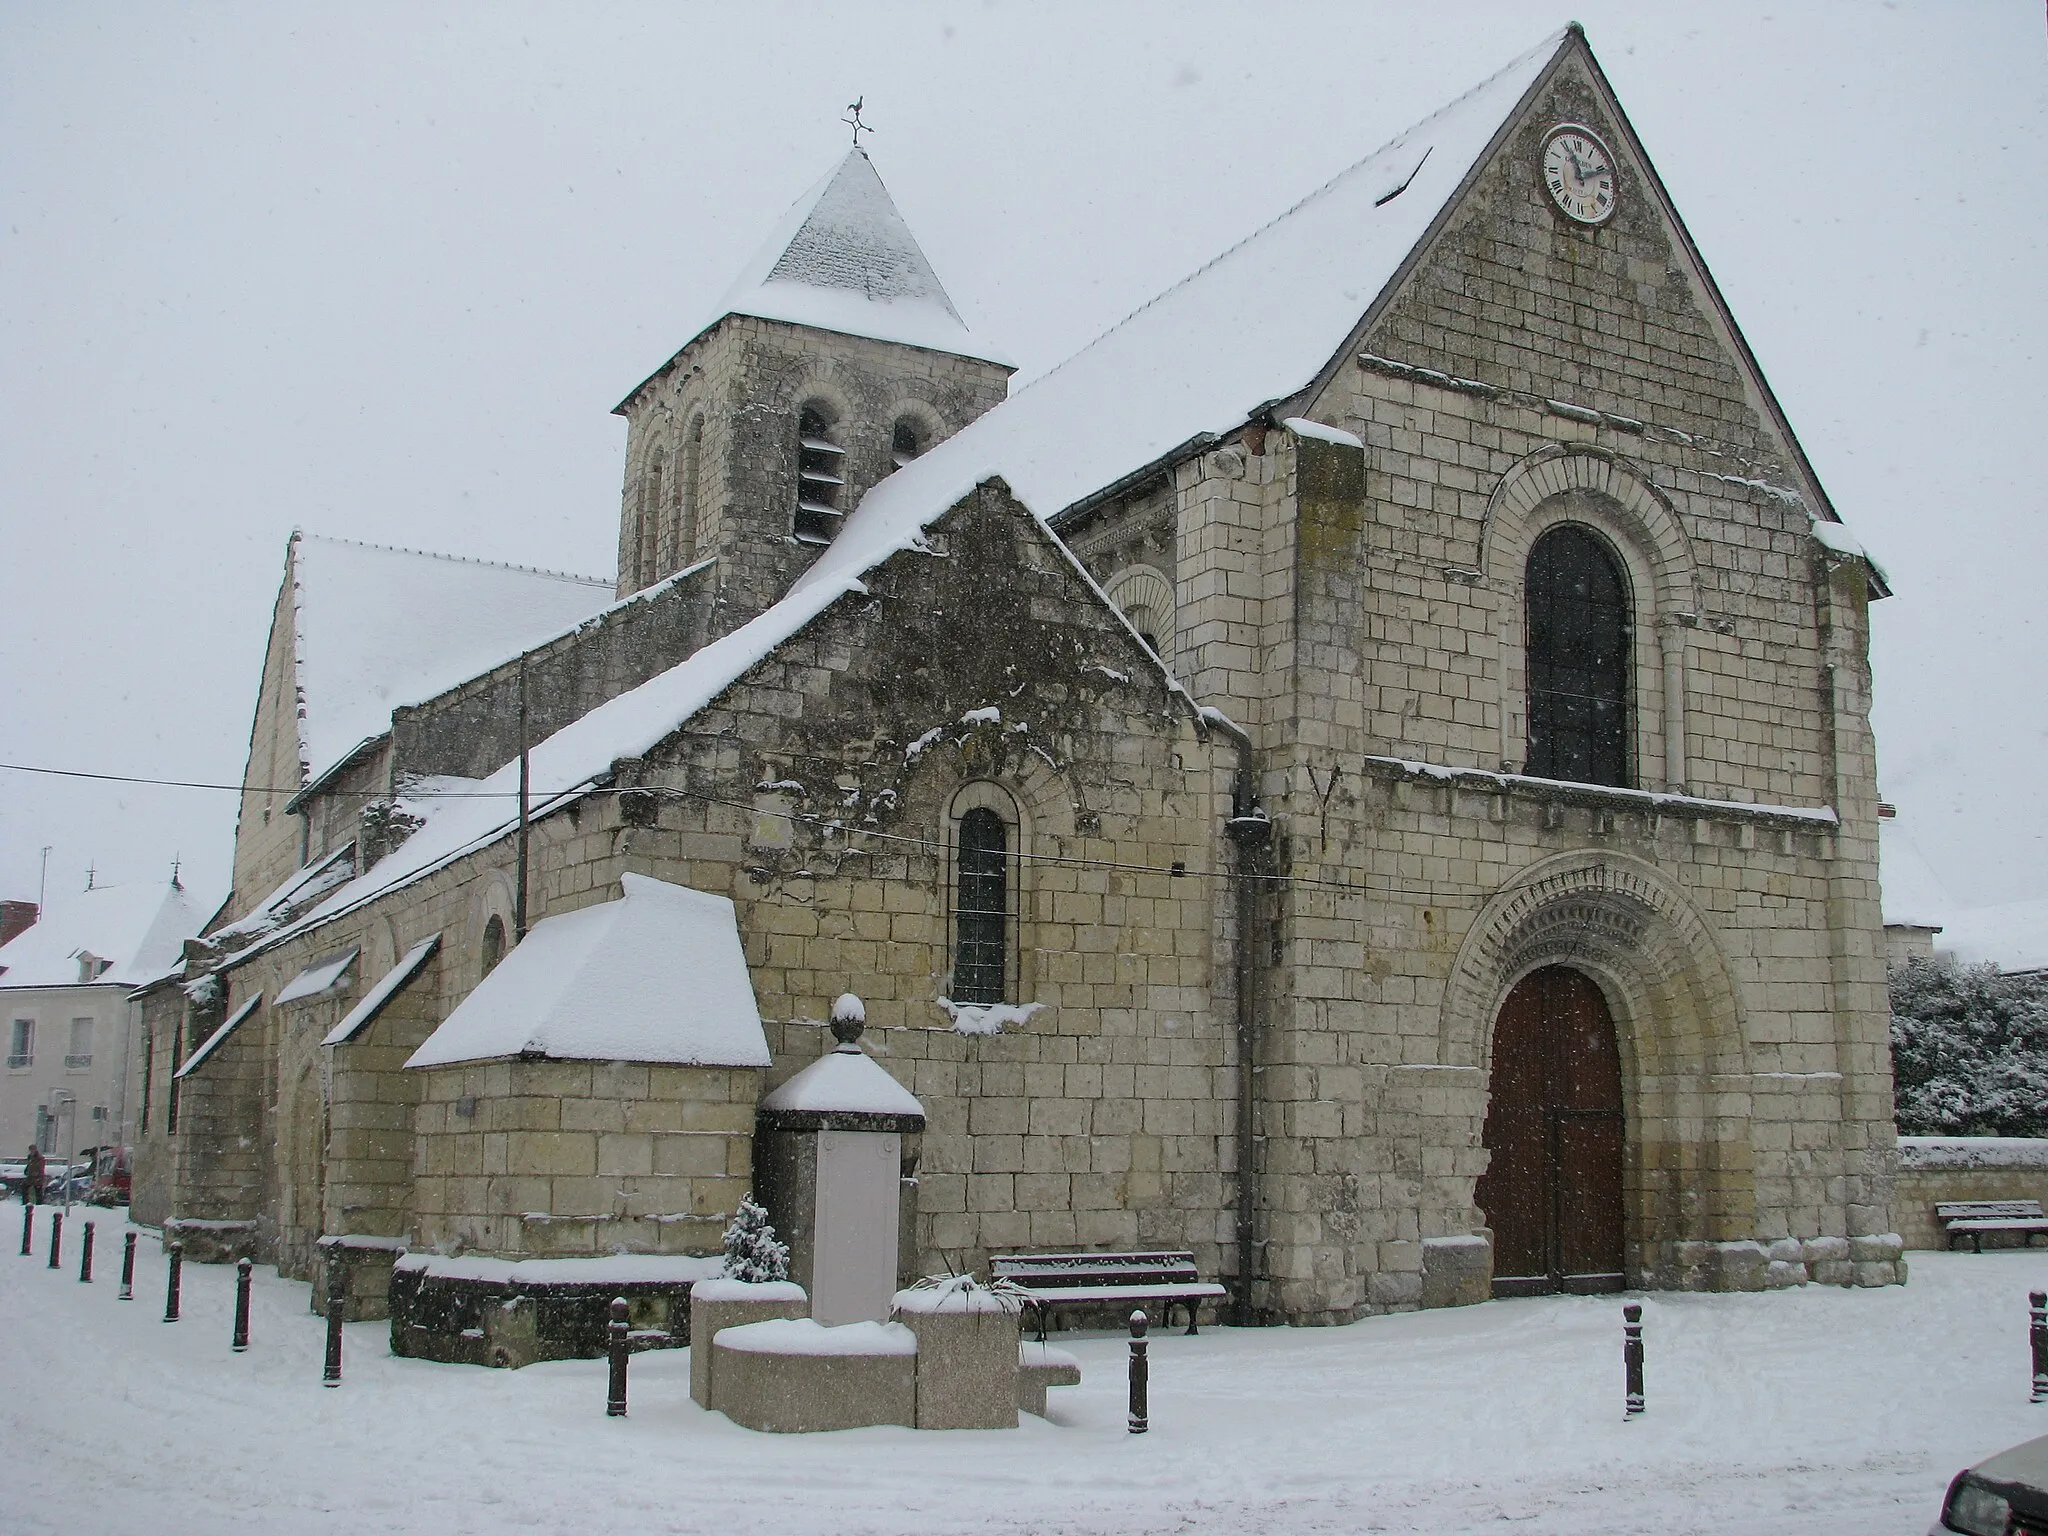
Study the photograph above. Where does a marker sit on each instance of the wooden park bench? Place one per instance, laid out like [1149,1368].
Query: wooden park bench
[1974,1218]
[1051,1281]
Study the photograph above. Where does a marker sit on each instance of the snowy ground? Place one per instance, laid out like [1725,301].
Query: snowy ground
[1842,1410]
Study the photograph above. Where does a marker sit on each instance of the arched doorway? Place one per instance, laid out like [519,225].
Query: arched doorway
[1552,1190]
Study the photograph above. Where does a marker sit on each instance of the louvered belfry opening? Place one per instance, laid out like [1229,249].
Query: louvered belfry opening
[820,478]
[981,917]
[1578,657]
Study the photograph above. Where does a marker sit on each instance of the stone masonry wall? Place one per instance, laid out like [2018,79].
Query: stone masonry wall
[372,1104]
[577,1157]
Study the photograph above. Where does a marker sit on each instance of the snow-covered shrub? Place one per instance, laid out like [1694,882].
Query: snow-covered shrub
[1969,1050]
[752,1250]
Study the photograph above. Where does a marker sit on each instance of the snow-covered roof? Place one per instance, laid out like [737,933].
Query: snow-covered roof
[317,979]
[657,976]
[843,259]
[2012,935]
[845,1081]
[1256,325]
[140,927]
[213,1041]
[1911,892]
[360,1017]
[378,627]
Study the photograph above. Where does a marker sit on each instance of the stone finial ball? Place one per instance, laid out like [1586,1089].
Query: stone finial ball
[849,1017]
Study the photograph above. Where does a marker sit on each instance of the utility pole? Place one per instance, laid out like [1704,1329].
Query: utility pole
[519,889]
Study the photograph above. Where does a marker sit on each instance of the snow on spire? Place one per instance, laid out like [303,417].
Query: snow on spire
[843,259]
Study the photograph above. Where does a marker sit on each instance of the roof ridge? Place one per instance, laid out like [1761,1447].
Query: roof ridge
[434,554]
[1551,42]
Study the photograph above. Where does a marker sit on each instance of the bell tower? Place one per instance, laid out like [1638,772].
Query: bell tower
[835,358]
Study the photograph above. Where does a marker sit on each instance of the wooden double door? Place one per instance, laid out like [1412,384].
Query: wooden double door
[1552,1192]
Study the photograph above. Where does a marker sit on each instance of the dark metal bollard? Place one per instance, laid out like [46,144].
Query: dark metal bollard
[85,1258]
[2037,1335]
[56,1239]
[127,1269]
[1141,1373]
[176,1253]
[28,1225]
[616,1331]
[337,1309]
[243,1270]
[1632,1356]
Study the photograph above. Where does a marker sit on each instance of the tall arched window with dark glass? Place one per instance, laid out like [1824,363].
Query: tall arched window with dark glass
[981,916]
[1579,634]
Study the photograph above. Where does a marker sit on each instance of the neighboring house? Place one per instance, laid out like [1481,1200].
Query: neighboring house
[65,985]
[1362,772]
[2012,935]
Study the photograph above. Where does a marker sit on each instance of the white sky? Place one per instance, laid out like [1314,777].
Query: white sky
[381,271]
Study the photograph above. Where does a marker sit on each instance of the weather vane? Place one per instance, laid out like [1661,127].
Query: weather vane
[852,119]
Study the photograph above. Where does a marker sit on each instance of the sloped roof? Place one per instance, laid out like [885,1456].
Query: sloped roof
[1910,891]
[2012,935]
[141,927]
[377,627]
[1255,325]
[657,976]
[843,259]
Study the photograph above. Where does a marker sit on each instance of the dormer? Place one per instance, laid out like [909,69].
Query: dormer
[836,358]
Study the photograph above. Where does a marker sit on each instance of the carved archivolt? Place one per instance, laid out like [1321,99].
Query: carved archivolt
[1623,923]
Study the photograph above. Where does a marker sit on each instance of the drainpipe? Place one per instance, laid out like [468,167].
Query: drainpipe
[1251,834]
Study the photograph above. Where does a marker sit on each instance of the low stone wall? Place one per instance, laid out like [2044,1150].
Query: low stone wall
[1933,1168]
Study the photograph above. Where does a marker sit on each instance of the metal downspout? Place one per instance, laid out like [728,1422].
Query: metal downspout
[1250,833]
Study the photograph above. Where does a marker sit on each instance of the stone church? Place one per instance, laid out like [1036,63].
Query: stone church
[1362,772]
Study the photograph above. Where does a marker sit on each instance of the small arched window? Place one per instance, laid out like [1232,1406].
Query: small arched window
[1578,636]
[908,441]
[494,944]
[820,478]
[691,537]
[981,915]
[662,519]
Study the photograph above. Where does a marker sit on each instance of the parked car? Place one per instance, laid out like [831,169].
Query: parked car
[2004,1496]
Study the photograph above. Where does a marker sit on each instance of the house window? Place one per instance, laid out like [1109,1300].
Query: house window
[21,1043]
[908,441]
[494,945]
[1578,637]
[981,918]
[820,478]
[79,1057]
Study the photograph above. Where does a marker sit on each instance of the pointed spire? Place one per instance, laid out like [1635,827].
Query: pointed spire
[843,259]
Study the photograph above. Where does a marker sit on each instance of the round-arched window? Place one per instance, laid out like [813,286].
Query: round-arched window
[1578,638]
[494,944]
[981,915]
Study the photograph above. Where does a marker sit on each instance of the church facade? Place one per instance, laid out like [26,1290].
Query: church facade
[1362,773]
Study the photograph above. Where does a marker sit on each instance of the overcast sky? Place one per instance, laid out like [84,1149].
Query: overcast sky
[380,271]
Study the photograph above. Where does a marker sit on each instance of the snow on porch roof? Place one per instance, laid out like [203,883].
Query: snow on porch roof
[213,1041]
[378,627]
[1254,326]
[657,976]
[364,1014]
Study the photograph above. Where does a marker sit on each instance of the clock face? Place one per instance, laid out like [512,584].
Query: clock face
[1579,172]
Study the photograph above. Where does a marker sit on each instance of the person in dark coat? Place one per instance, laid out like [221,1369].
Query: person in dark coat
[32,1177]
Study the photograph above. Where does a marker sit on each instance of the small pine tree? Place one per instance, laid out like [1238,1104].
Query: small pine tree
[752,1250]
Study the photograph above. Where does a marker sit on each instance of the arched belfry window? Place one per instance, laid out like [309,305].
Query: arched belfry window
[820,478]
[692,537]
[908,441]
[981,913]
[494,944]
[1578,637]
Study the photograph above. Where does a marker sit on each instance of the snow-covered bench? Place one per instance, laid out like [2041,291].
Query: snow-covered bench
[1974,1218]
[1058,1280]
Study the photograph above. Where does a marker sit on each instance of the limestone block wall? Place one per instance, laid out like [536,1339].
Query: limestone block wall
[161,1013]
[267,840]
[372,1101]
[746,381]
[473,729]
[1938,1168]
[563,1157]
[220,1151]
